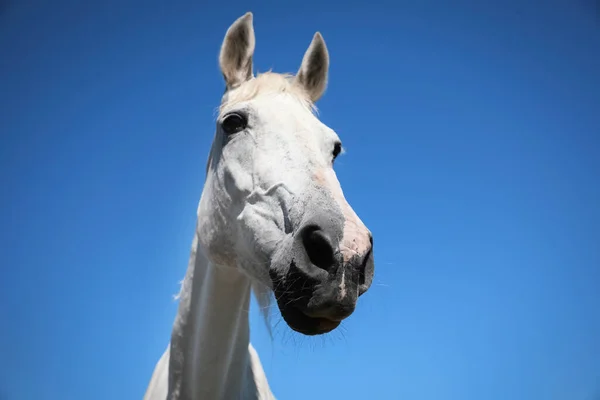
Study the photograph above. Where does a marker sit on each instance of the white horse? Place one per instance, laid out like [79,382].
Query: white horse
[272,218]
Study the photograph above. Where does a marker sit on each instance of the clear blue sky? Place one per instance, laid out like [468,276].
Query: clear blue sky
[473,153]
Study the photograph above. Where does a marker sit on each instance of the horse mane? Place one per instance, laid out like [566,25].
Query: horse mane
[267,83]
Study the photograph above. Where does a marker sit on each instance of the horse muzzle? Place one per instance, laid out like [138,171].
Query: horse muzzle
[315,284]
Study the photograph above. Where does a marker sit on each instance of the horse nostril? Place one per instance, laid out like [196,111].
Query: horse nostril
[363,266]
[318,247]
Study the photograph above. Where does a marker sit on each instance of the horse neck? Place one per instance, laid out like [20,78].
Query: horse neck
[210,338]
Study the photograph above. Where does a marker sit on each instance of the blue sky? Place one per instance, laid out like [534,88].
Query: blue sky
[473,154]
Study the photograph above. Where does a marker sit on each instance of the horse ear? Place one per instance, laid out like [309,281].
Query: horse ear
[312,75]
[237,50]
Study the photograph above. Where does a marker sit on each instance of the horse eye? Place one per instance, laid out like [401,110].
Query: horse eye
[337,149]
[234,123]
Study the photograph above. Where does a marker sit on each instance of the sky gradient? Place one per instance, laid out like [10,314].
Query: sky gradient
[472,136]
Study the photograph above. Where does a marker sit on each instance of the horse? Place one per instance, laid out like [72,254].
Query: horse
[272,219]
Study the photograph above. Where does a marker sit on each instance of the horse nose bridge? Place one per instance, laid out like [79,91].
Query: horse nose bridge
[357,239]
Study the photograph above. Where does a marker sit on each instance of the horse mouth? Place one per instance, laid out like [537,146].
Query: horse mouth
[302,323]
